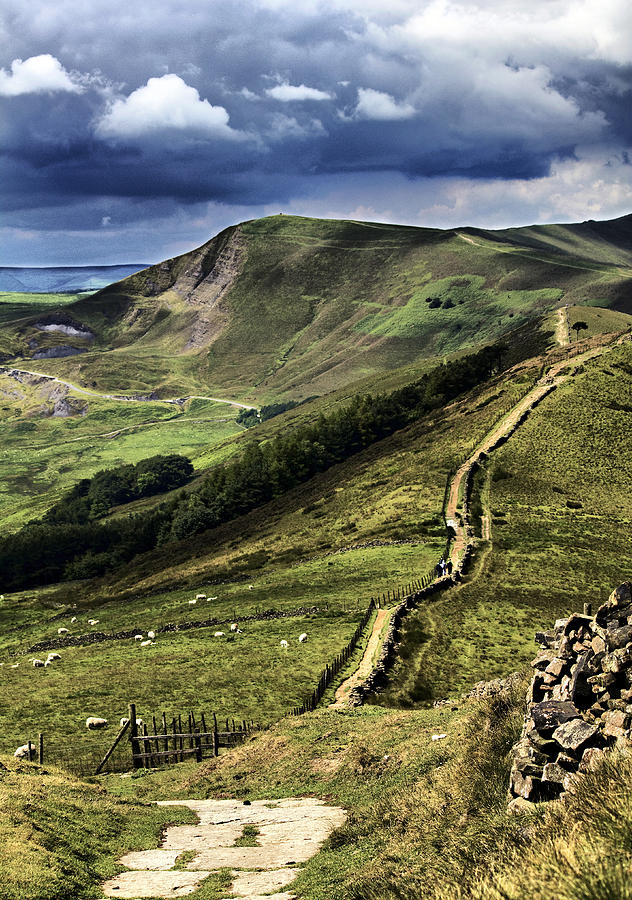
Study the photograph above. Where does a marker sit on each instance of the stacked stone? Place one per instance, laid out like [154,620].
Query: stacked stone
[579,702]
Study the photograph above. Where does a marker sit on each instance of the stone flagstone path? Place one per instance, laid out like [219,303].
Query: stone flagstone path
[290,832]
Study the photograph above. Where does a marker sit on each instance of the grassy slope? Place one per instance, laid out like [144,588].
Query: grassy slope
[548,556]
[60,838]
[318,304]
[391,492]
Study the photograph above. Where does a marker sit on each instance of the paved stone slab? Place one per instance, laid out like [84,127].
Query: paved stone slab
[150,859]
[153,884]
[272,857]
[284,895]
[249,884]
[196,837]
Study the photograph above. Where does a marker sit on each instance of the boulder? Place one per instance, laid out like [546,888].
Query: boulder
[550,714]
[573,734]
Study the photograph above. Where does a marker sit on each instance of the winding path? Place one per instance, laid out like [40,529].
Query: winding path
[178,401]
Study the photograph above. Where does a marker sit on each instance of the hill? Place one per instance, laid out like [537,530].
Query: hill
[295,307]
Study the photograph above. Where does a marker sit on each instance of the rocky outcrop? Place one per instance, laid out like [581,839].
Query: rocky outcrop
[580,700]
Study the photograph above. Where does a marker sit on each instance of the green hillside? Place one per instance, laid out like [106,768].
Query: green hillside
[291,307]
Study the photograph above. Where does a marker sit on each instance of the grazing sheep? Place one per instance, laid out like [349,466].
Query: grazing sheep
[219,634]
[234,627]
[285,645]
[48,663]
[208,599]
[192,602]
[124,721]
[63,631]
[151,634]
[93,621]
[38,663]
[15,665]
[138,637]
[139,721]
[73,620]
[146,643]
[302,638]
[200,596]
[251,587]
[23,751]
[53,656]
[93,722]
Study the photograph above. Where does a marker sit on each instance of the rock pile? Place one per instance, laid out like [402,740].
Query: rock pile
[579,702]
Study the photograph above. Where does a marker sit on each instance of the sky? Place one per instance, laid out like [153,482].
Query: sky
[133,132]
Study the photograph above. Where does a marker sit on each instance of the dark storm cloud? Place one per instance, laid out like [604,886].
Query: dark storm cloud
[252,102]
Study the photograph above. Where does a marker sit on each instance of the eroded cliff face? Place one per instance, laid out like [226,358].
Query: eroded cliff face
[579,704]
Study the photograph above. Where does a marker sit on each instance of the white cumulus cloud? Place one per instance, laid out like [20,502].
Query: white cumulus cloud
[36,75]
[164,103]
[286,92]
[378,105]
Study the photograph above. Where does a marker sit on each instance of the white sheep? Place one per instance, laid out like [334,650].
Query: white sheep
[123,721]
[139,721]
[219,634]
[285,645]
[234,627]
[251,587]
[146,643]
[38,663]
[138,637]
[22,751]
[208,599]
[73,620]
[302,638]
[63,631]
[192,602]
[200,596]
[93,722]
[93,621]
[151,634]
[48,663]
[53,656]
[15,665]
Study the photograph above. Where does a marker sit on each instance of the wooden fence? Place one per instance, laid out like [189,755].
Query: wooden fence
[176,741]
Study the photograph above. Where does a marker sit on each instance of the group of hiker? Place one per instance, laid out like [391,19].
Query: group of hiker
[443,567]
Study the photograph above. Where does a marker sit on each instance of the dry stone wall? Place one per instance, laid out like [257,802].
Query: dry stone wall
[579,703]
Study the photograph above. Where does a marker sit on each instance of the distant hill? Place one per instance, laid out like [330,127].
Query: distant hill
[287,307]
[63,279]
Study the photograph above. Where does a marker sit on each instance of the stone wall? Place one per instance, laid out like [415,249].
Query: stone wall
[579,703]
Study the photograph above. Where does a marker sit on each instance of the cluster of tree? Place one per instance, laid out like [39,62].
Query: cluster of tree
[250,417]
[45,552]
[92,498]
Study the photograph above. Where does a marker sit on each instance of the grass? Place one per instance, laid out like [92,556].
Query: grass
[559,499]
[14,305]
[61,838]
[43,455]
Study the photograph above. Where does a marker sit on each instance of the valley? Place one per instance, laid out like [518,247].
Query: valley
[318,312]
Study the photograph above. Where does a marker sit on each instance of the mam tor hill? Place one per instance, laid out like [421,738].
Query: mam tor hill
[294,307]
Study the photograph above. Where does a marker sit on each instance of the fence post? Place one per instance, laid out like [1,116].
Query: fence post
[136,763]
[164,731]
[215,737]
[31,751]
[41,748]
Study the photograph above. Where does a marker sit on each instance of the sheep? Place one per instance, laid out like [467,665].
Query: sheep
[23,751]
[219,634]
[251,587]
[63,631]
[200,596]
[302,638]
[38,663]
[234,627]
[208,599]
[151,634]
[146,643]
[93,621]
[285,645]
[123,721]
[53,656]
[48,663]
[192,602]
[93,722]
[138,637]
[73,620]
[15,665]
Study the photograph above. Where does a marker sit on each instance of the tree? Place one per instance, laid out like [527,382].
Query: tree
[579,326]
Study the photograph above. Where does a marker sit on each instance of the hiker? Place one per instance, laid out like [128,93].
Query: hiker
[449,567]
[438,570]
[442,566]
